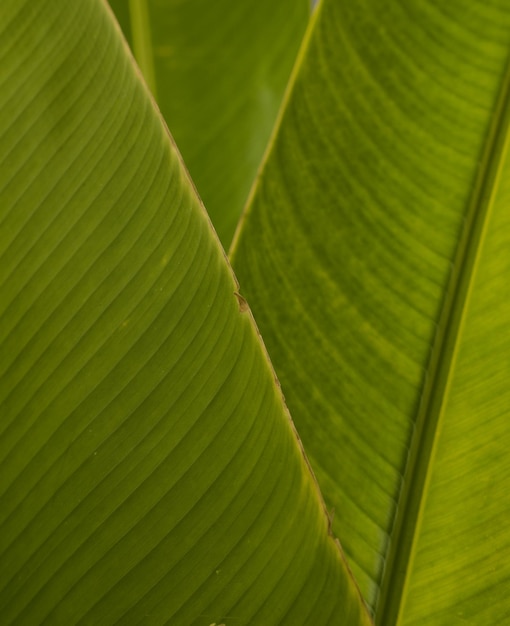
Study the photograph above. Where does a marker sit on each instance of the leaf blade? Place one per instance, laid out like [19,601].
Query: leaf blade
[144,444]
[443,363]
[345,249]
[219,73]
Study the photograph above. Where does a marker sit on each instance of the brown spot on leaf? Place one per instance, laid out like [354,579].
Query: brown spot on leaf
[243,305]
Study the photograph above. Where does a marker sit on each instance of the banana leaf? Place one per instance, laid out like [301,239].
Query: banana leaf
[218,71]
[149,471]
[375,254]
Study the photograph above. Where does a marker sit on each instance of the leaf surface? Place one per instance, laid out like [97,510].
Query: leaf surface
[149,470]
[218,71]
[374,254]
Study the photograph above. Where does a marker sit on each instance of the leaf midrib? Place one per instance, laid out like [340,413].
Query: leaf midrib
[441,364]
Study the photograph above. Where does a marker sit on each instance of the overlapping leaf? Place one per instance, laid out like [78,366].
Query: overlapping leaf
[375,256]
[149,471]
[218,71]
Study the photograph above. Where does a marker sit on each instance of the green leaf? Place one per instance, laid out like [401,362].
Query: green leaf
[218,71]
[375,254]
[149,470]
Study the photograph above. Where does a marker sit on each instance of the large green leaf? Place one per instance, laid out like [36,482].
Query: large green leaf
[375,254]
[218,71]
[149,471]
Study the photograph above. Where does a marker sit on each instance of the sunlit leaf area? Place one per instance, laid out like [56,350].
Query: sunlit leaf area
[254,313]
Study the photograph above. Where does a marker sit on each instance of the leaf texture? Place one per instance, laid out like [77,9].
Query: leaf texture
[218,71]
[364,257]
[149,470]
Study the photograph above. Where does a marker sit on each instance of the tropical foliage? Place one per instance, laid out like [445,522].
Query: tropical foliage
[149,468]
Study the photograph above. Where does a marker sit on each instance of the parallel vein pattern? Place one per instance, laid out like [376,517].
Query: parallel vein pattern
[346,249]
[218,71]
[149,472]
[443,363]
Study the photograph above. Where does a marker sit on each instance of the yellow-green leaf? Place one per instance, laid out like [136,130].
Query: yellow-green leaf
[218,71]
[149,472]
[375,255]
